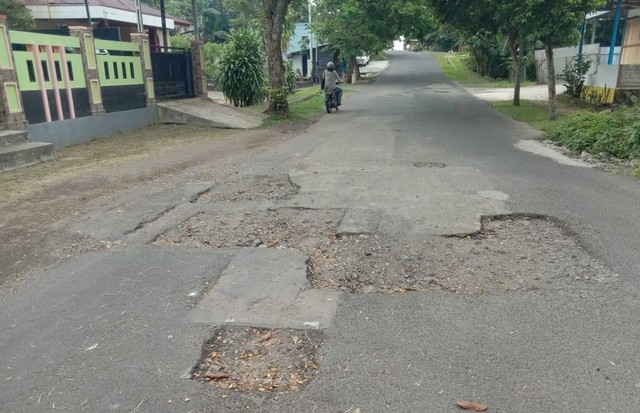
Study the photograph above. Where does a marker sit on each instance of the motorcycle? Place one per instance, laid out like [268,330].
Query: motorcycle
[330,100]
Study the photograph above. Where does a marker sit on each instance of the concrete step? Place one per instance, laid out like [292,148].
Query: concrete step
[25,154]
[12,137]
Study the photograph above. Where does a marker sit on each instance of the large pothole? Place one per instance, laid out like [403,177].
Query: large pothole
[259,360]
[512,253]
[300,228]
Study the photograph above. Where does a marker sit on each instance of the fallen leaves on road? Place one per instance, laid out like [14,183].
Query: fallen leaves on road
[251,359]
[472,406]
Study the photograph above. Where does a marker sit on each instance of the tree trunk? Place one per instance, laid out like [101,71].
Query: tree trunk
[275,13]
[551,74]
[516,56]
[353,67]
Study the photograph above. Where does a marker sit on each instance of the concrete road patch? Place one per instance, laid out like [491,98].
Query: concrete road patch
[124,216]
[266,288]
[541,149]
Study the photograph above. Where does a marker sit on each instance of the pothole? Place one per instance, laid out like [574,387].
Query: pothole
[259,360]
[509,254]
[251,188]
[304,229]
[513,253]
[429,165]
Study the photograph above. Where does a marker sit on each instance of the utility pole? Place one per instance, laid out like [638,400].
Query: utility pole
[313,60]
[86,6]
[163,17]
[139,16]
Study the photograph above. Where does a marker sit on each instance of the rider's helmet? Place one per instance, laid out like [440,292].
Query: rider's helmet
[330,66]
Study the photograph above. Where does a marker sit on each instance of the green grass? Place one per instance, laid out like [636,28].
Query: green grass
[537,115]
[297,97]
[455,67]
[306,103]
[584,128]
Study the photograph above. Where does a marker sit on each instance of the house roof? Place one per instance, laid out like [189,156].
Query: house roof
[125,5]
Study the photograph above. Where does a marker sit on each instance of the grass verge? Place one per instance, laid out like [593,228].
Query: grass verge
[536,115]
[455,67]
[609,135]
[304,104]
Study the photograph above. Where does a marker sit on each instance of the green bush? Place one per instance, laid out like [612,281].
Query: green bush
[241,69]
[615,133]
[182,41]
[574,76]
[212,52]
[290,76]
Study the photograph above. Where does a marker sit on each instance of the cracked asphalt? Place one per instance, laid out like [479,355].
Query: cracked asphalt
[412,159]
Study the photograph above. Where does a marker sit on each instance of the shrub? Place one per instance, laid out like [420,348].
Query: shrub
[574,76]
[615,133]
[241,69]
[212,52]
[182,41]
[290,77]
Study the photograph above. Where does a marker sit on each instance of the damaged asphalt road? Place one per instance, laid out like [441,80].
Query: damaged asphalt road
[397,256]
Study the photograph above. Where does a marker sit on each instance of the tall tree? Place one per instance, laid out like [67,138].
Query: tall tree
[271,18]
[18,15]
[355,26]
[486,19]
[557,23]
[275,12]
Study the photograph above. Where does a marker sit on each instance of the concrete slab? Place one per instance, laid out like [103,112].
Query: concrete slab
[541,149]
[267,288]
[116,220]
[207,113]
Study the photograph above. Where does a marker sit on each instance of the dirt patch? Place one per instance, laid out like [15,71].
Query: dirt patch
[259,360]
[251,188]
[509,254]
[303,229]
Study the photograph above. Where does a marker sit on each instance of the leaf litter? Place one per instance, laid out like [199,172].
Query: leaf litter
[258,360]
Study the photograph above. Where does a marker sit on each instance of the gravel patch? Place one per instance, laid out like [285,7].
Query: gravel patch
[303,229]
[259,360]
[512,253]
[251,188]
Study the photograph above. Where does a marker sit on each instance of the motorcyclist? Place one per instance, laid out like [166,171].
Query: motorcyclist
[330,80]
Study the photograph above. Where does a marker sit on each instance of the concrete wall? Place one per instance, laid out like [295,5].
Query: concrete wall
[604,75]
[297,63]
[599,56]
[73,131]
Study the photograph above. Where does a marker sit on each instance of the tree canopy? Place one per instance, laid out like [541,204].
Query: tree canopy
[18,15]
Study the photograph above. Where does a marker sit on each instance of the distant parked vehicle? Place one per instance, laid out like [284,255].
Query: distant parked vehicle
[363,60]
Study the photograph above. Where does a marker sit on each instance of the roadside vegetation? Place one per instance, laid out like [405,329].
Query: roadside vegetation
[305,103]
[605,134]
[458,67]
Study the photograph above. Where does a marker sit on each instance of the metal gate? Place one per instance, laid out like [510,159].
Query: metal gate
[172,72]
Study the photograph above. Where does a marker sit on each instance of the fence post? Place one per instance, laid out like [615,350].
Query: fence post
[142,39]
[90,63]
[199,74]
[11,109]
